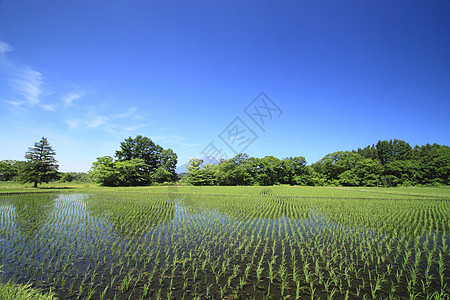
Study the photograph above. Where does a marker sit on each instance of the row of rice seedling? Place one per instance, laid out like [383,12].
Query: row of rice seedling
[131,245]
[303,191]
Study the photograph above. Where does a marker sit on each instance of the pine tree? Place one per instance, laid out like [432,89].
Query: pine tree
[41,165]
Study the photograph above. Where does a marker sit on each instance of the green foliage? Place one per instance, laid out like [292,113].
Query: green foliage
[392,151]
[41,165]
[139,162]
[10,169]
[74,177]
[389,163]
[201,176]
[132,172]
[239,170]
[139,147]
[104,172]
[153,155]
[269,170]
[162,175]
[107,172]
[142,162]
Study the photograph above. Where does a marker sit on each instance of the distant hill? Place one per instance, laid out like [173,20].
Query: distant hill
[207,160]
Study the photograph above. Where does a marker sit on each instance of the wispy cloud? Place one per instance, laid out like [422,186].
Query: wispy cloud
[26,86]
[91,121]
[16,104]
[68,99]
[27,90]
[97,121]
[89,117]
[49,107]
[127,114]
[5,47]
[25,83]
[72,123]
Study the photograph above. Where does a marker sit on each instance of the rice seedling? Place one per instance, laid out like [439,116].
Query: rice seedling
[162,246]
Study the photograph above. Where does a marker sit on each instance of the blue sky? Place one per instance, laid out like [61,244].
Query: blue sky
[339,75]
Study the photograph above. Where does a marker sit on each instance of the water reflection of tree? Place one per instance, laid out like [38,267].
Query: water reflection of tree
[31,212]
[132,215]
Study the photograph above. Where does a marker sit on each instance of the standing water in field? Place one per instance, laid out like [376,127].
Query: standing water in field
[175,246]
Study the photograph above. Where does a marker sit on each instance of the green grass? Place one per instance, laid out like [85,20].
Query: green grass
[443,192]
[298,191]
[17,187]
[9,291]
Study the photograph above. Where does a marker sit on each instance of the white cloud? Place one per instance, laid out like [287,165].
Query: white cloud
[68,99]
[91,121]
[72,123]
[5,47]
[129,113]
[96,121]
[49,107]
[16,104]
[27,83]
[27,89]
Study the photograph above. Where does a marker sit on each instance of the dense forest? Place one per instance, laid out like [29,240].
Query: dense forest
[386,163]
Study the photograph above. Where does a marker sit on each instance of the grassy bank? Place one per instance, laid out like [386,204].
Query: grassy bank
[298,191]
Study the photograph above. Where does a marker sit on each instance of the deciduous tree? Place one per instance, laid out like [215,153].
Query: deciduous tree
[138,162]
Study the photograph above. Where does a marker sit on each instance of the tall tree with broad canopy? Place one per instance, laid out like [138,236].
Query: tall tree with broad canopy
[41,165]
[142,148]
[153,155]
[138,162]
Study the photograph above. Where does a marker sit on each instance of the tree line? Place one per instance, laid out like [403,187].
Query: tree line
[140,161]
[387,163]
[245,170]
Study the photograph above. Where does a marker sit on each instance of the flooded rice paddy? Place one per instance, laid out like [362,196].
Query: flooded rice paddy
[129,245]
